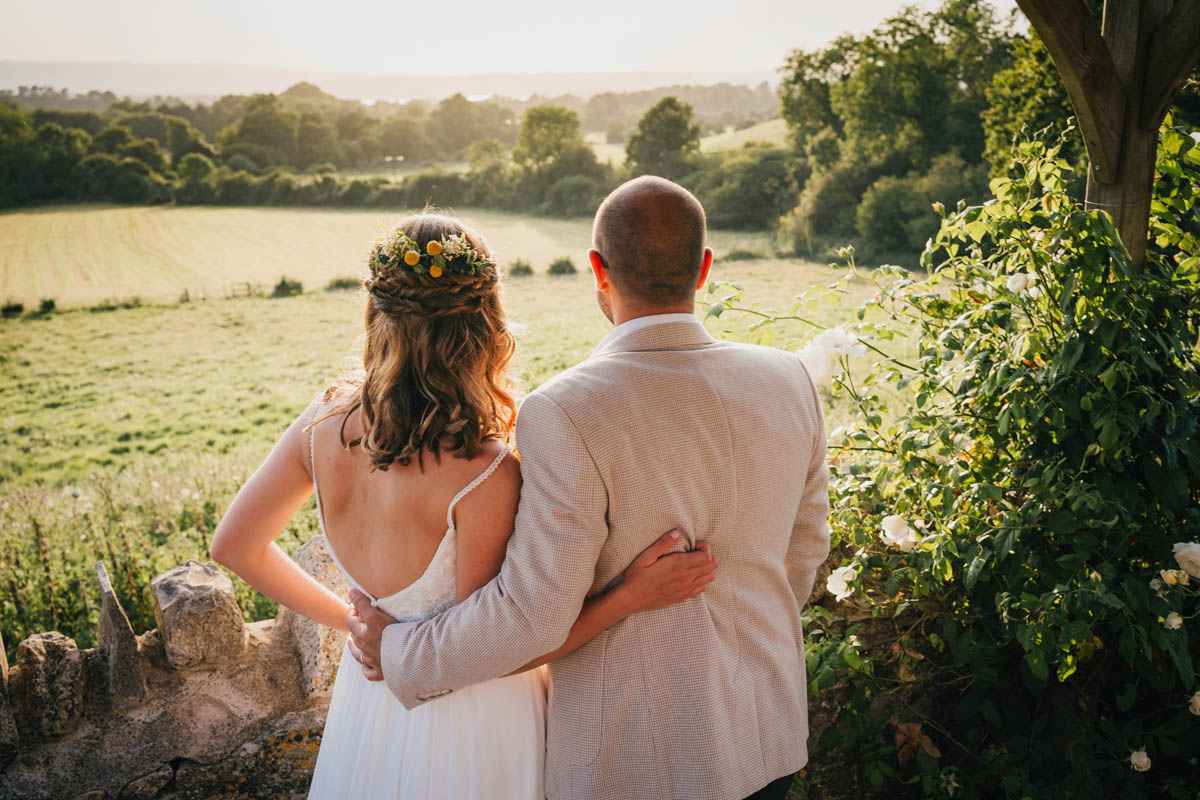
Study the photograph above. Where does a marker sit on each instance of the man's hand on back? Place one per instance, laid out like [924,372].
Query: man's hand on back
[366,634]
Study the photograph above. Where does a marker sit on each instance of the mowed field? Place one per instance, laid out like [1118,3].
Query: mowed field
[85,255]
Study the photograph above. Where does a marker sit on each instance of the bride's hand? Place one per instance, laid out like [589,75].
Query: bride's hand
[659,578]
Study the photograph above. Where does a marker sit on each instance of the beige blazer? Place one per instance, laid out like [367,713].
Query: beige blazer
[662,427]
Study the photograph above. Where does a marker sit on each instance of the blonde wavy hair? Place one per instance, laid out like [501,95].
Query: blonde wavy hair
[435,365]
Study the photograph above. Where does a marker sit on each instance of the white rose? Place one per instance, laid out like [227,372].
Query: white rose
[1194,704]
[1139,760]
[1173,622]
[819,362]
[1016,282]
[896,533]
[838,582]
[840,342]
[1187,556]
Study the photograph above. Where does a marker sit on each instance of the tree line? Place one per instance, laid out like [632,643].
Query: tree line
[921,110]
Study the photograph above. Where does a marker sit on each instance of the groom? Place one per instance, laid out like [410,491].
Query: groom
[662,427]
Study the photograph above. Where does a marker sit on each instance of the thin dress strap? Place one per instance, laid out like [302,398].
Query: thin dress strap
[487,473]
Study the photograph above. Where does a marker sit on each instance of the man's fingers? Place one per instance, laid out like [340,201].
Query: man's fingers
[354,651]
[362,603]
[704,547]
[659,549]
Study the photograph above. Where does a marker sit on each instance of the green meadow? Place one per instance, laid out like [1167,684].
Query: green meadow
[126,431]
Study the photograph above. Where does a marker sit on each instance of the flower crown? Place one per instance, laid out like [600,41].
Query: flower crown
[452,255]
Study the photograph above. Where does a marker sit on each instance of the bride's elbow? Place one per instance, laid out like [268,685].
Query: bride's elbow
[223,552]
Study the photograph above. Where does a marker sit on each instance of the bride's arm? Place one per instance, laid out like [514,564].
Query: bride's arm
[245,539]
[656,578]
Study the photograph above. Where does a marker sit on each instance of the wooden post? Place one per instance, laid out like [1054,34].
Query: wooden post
[1121,81]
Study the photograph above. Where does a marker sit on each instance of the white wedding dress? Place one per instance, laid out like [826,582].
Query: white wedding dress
[484,742]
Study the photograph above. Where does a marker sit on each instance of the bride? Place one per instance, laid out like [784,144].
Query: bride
[416,493]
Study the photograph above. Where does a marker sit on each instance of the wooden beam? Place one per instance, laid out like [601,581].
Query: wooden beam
[1174,53]
[1089,75]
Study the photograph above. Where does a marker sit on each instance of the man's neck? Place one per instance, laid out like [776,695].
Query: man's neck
[625,315]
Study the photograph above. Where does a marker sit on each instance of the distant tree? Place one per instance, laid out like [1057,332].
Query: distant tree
[316,141]
[486,154]
[18,155]
[354,125]
[546,133]
[453,124]
[404,135]
[196,168]
[616,131]
[805,87]
[88,121]
[111,140]
[268,125]
[183,139]
[665,140]
[59,152]
[146,151]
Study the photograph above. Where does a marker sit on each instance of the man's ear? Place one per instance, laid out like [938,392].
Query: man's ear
[599,271]
[705,266]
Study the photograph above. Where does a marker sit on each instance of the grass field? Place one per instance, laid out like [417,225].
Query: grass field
[125,433]
[82,255]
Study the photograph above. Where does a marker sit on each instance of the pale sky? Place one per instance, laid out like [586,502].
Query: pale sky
[446,37]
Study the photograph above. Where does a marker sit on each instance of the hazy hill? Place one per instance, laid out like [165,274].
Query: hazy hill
[210,81]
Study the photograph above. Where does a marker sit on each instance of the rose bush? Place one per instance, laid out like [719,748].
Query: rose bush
[1044,441]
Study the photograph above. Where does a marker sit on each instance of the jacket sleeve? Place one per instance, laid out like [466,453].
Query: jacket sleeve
[809,546]
[528,609]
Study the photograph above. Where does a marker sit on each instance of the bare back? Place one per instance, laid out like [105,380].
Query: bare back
[386,526]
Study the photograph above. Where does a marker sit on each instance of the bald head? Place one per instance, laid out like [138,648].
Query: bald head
[650,233]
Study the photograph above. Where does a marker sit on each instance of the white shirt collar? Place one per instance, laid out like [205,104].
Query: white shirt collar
[637,323]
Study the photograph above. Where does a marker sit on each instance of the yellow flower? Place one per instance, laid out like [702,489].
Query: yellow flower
[435,271]
[433,248]
[412,257]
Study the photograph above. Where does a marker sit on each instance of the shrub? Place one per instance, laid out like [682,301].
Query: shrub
[895,218]
[573,196]
[343,283]
[520,269]
[562,266]
[738,254]
[287,287]
[239,162]
[1012,524]
[12,309]
[322,168]
[234,190]
[46,306]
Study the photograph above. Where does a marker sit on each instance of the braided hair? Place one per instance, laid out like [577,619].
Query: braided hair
[436,358]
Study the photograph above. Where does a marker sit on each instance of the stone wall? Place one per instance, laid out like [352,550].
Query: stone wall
[202,705]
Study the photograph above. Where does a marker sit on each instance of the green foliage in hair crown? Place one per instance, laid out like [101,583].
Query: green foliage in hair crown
[448,255]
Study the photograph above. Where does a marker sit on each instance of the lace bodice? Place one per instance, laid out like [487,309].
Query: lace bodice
[434,591]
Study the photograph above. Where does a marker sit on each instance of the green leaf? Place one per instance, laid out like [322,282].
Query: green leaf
[1037,665]
[973,570]
[715,310]
[1126,698]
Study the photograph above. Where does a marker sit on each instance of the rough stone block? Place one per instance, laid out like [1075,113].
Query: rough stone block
[198,619]
[47,684]
[318,647]
[119,645]
[8,723]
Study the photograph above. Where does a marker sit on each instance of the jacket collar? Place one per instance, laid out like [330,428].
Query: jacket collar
[682,335]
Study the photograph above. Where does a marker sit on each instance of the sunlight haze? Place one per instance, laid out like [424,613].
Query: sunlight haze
[453,37]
